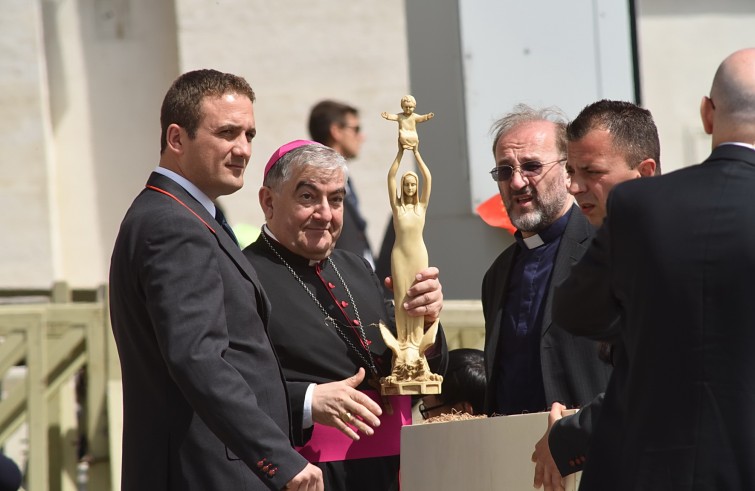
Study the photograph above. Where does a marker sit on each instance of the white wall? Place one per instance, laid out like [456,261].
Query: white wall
[27,252]
[580,52]
[294,54]
[680,49]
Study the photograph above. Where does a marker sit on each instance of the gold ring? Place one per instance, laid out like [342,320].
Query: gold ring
[346,417]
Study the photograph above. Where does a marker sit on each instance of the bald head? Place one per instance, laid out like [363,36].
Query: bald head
[729,113]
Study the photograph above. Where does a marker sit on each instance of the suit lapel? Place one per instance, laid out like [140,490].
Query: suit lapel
[573,245]
[224,240]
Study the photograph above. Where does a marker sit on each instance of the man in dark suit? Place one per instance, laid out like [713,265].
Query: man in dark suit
[607,143]
[336,125]
[326,306]
[205,405]
[530,361]
[675,259]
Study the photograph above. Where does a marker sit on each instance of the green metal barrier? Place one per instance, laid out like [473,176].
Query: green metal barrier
[55,339]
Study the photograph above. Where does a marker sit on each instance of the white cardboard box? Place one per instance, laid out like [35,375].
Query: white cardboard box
[490,454]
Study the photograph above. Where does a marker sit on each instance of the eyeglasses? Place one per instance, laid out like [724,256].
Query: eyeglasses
[527,169]
[424,410]
[356,128]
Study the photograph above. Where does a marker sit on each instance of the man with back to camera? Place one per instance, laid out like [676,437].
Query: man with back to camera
[608,142]
[336,125]
[530,361]
[204,400]
[674,259]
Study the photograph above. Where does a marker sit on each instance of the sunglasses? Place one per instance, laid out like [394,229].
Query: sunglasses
[527,169]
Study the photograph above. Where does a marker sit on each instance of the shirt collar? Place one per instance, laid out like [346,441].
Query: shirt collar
[545,236]
[190,188]
[739,144]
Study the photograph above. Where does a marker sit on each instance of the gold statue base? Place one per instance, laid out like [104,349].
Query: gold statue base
[410,373]
[409,387]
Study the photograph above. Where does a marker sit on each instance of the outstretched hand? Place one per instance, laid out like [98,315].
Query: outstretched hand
[546,471]
[425,297]
[340,405]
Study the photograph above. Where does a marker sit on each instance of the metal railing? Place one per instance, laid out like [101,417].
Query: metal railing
[61,344]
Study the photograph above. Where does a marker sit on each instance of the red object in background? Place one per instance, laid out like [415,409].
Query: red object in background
[494,214]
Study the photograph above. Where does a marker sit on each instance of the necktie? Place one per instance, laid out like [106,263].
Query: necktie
[220,218]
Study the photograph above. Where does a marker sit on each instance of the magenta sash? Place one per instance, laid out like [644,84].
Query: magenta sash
[329,444]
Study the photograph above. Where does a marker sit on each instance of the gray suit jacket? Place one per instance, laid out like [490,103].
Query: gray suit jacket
[205,405]
[572,372]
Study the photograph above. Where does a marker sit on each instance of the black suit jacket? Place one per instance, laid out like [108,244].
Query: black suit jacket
[353,236]
[313,351]
[676,258]
[572,372]
[570,436]
[205,405]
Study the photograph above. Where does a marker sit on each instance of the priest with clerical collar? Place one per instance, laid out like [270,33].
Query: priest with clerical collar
[530,362]
[326,304]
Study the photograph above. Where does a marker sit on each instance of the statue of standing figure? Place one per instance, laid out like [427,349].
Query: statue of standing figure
[411,373]
[407,124]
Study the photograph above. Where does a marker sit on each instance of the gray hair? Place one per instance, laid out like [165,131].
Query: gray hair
[314,155]
[522,114]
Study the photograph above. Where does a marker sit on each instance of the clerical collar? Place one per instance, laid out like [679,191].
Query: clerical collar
[549,234]
[190,188]
[266,230]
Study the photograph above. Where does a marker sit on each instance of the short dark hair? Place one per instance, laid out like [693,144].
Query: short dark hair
[323,115]
[464,380]
[632,128]
[182,104]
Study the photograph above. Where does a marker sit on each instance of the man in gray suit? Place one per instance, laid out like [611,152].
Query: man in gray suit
[675,258]
[530,361]
[205,405]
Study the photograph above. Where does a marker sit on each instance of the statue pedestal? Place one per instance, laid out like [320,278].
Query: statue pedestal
[410,388]
[481,454]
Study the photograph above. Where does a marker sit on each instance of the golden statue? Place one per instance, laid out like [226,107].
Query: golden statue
[410,373]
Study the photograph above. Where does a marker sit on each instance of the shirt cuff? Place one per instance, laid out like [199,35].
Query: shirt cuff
[306,420]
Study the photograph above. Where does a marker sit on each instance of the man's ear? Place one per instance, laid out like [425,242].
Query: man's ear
[266,201]
[706,114]
[334,133]
[647,168]
[174,138]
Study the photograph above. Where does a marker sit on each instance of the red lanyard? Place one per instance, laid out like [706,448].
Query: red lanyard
[154,188]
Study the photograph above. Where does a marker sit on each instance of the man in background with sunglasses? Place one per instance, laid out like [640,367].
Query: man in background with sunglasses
[336,125]
[530,362]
